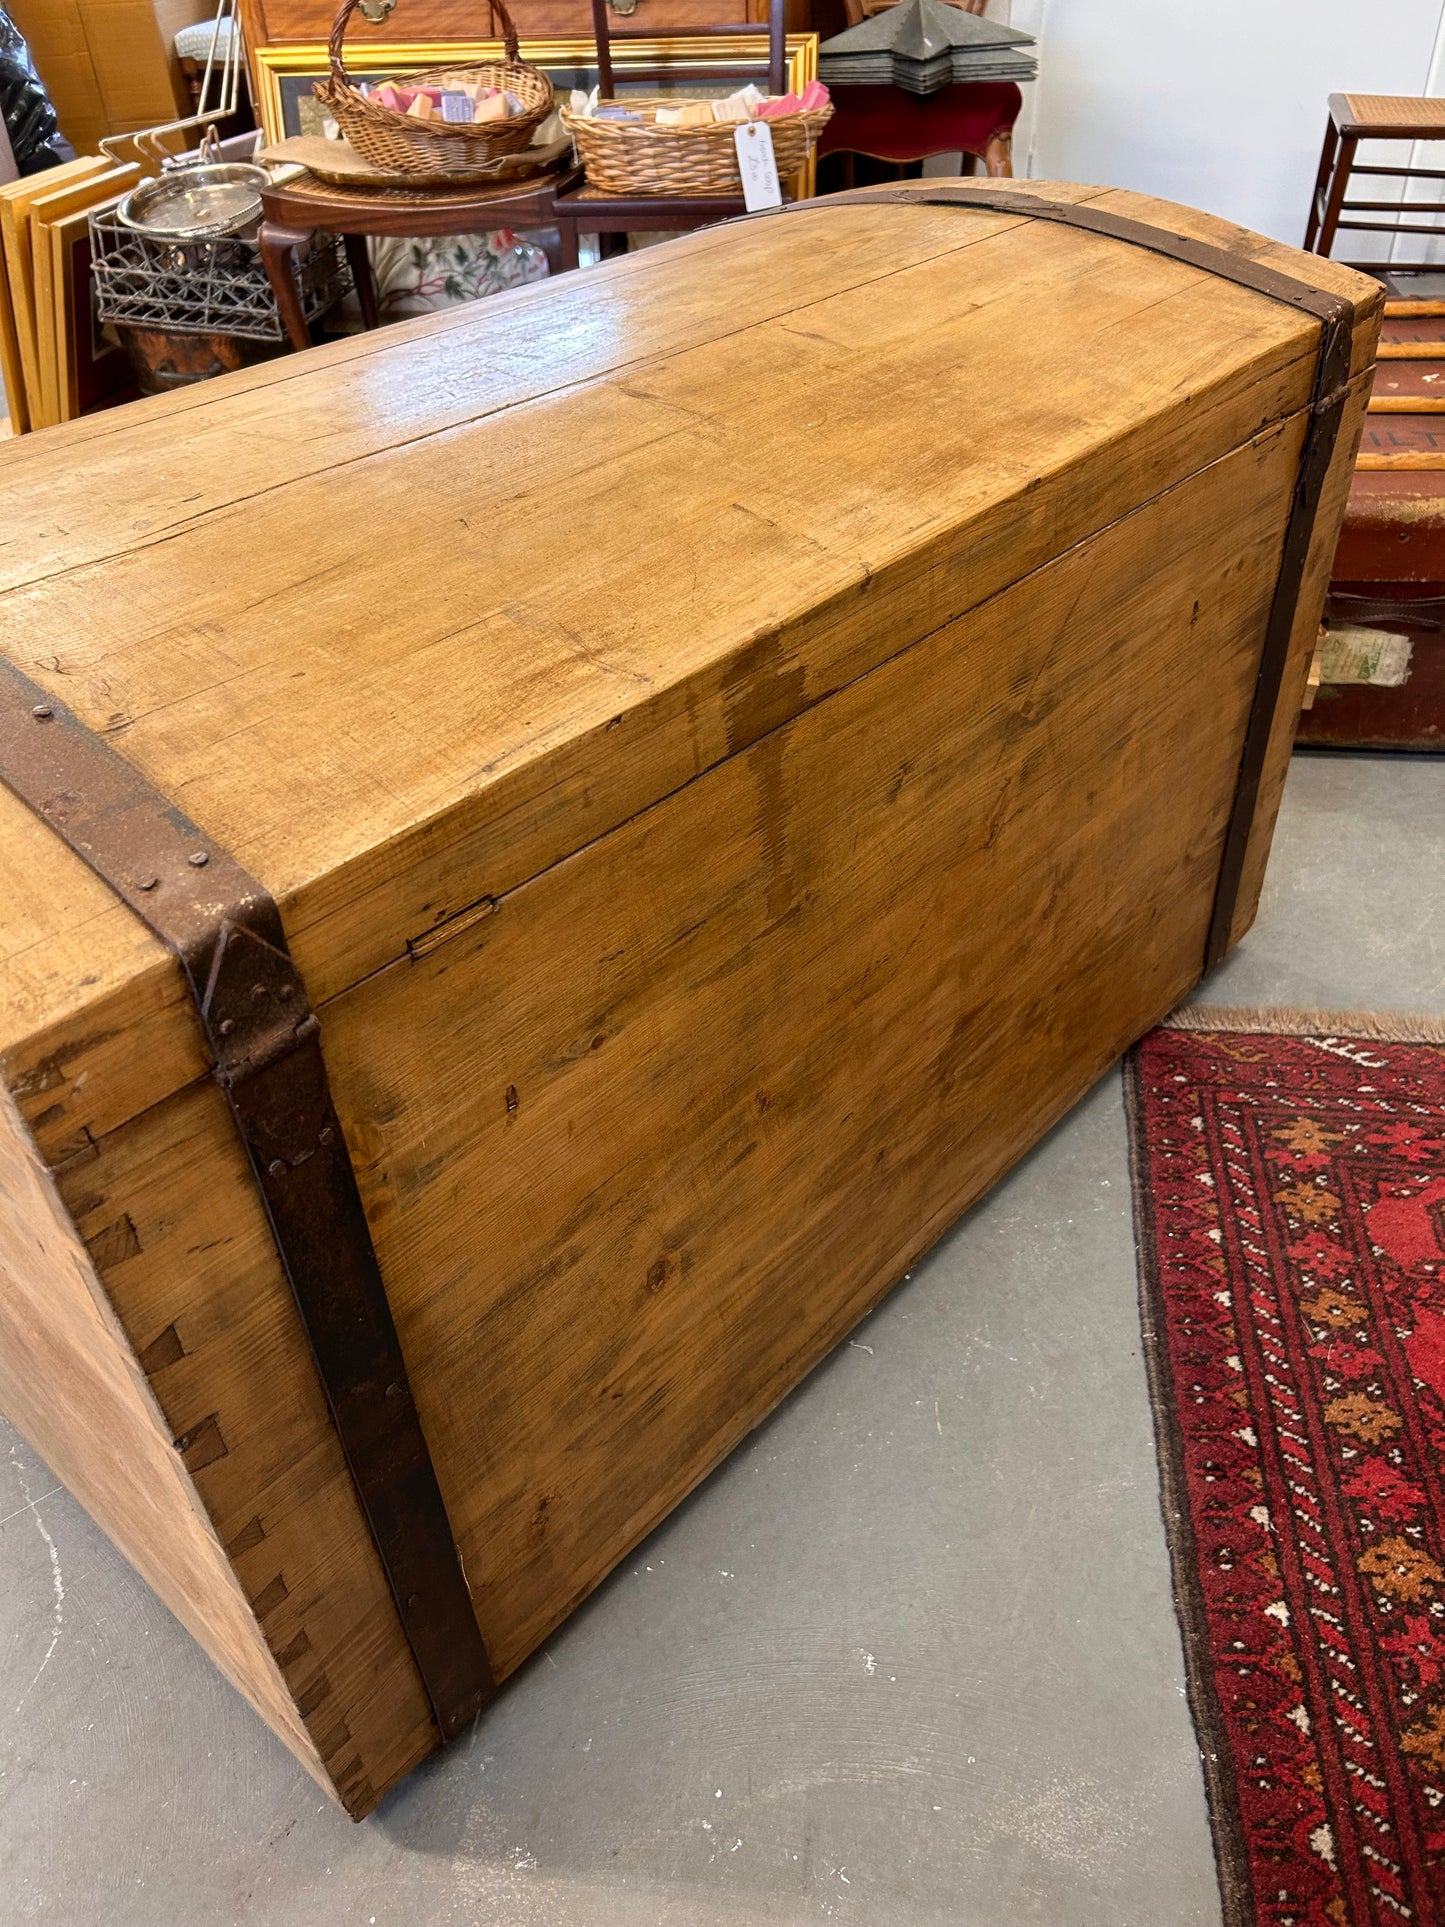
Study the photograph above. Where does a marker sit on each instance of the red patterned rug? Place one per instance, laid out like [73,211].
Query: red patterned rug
[1290,1199]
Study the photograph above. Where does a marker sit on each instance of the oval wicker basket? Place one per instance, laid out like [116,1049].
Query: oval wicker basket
[437,150]
[627,157]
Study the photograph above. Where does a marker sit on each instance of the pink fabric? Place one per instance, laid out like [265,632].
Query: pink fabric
[894,126]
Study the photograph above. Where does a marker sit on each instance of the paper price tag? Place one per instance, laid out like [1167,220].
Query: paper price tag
[754,141]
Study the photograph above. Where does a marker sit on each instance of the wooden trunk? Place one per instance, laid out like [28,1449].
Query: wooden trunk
[740,740]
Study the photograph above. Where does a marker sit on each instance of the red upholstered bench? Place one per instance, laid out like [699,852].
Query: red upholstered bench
[971,117]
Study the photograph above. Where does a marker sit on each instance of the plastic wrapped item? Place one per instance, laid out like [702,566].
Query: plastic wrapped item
[30,123]
[420,276]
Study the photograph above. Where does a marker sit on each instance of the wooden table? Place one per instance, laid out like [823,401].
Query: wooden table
[299,208]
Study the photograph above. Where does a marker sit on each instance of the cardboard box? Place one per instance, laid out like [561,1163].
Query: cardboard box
[109,65]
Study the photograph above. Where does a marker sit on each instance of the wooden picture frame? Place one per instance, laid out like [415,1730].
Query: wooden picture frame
[92,368]
[19,263]
[67,208]
[283,74]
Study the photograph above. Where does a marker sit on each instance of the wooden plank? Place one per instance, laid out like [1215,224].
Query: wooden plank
[178,1237]
[12,373]
[266,427]
[16,198]
[42,275]
[1411,387]
[1303,636]
[416,807]
[70,1382]
[784,1025]
[51,320]
[1423,459]
[1366,293]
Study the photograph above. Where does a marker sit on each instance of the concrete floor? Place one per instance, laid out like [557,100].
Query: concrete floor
[908,1658]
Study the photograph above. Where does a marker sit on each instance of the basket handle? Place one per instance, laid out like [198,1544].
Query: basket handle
[348,7]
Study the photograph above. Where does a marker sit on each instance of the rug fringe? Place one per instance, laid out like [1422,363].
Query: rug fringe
[1282,1020]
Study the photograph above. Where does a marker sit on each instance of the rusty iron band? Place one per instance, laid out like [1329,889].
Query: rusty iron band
[1335,315]
[265,1043]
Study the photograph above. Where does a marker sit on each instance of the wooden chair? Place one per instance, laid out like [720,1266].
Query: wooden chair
[586,210]
[1373,117]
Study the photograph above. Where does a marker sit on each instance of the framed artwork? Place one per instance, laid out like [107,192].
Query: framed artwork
[92,367]
[55,220]
[700,66]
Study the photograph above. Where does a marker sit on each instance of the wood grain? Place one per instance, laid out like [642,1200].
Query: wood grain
[804,770]
[297,732]
[1304,635]
[70,1383]
[711,1077]
[176,1231]
[16,199]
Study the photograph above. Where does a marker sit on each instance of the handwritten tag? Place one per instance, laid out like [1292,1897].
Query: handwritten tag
[754,141]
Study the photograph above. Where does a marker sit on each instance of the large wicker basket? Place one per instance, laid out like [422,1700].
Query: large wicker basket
[631,157]
[438,150]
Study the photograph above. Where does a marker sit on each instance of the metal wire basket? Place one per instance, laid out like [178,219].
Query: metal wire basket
[204,287]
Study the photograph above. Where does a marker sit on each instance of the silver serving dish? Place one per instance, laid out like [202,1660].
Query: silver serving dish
[200,201]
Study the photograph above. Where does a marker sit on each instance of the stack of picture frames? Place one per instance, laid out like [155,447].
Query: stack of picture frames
[57,362]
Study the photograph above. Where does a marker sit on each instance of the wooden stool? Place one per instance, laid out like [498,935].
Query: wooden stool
[299,208]
[1373,117]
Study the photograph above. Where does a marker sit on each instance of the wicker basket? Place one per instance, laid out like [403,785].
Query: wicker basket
[437,150]
[624,157]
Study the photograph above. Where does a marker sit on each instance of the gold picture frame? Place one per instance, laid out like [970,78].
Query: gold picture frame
[282,73]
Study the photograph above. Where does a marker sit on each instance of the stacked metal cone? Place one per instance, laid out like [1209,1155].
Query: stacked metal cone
[923,45]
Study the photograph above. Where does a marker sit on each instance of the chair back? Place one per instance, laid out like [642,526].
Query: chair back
[777,69]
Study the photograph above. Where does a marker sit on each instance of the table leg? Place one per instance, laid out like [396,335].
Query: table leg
[359,259]
[998,155]
[1322,184]
[1335,199]
[566,242]
[278,253]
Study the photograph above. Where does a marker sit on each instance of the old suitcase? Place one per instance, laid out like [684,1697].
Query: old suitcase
[1380,673]
[738,741]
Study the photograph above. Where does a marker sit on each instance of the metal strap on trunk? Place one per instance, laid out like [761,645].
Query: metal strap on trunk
[1336,316]
[265,1042]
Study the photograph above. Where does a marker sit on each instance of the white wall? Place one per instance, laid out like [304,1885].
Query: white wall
[1219,103]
